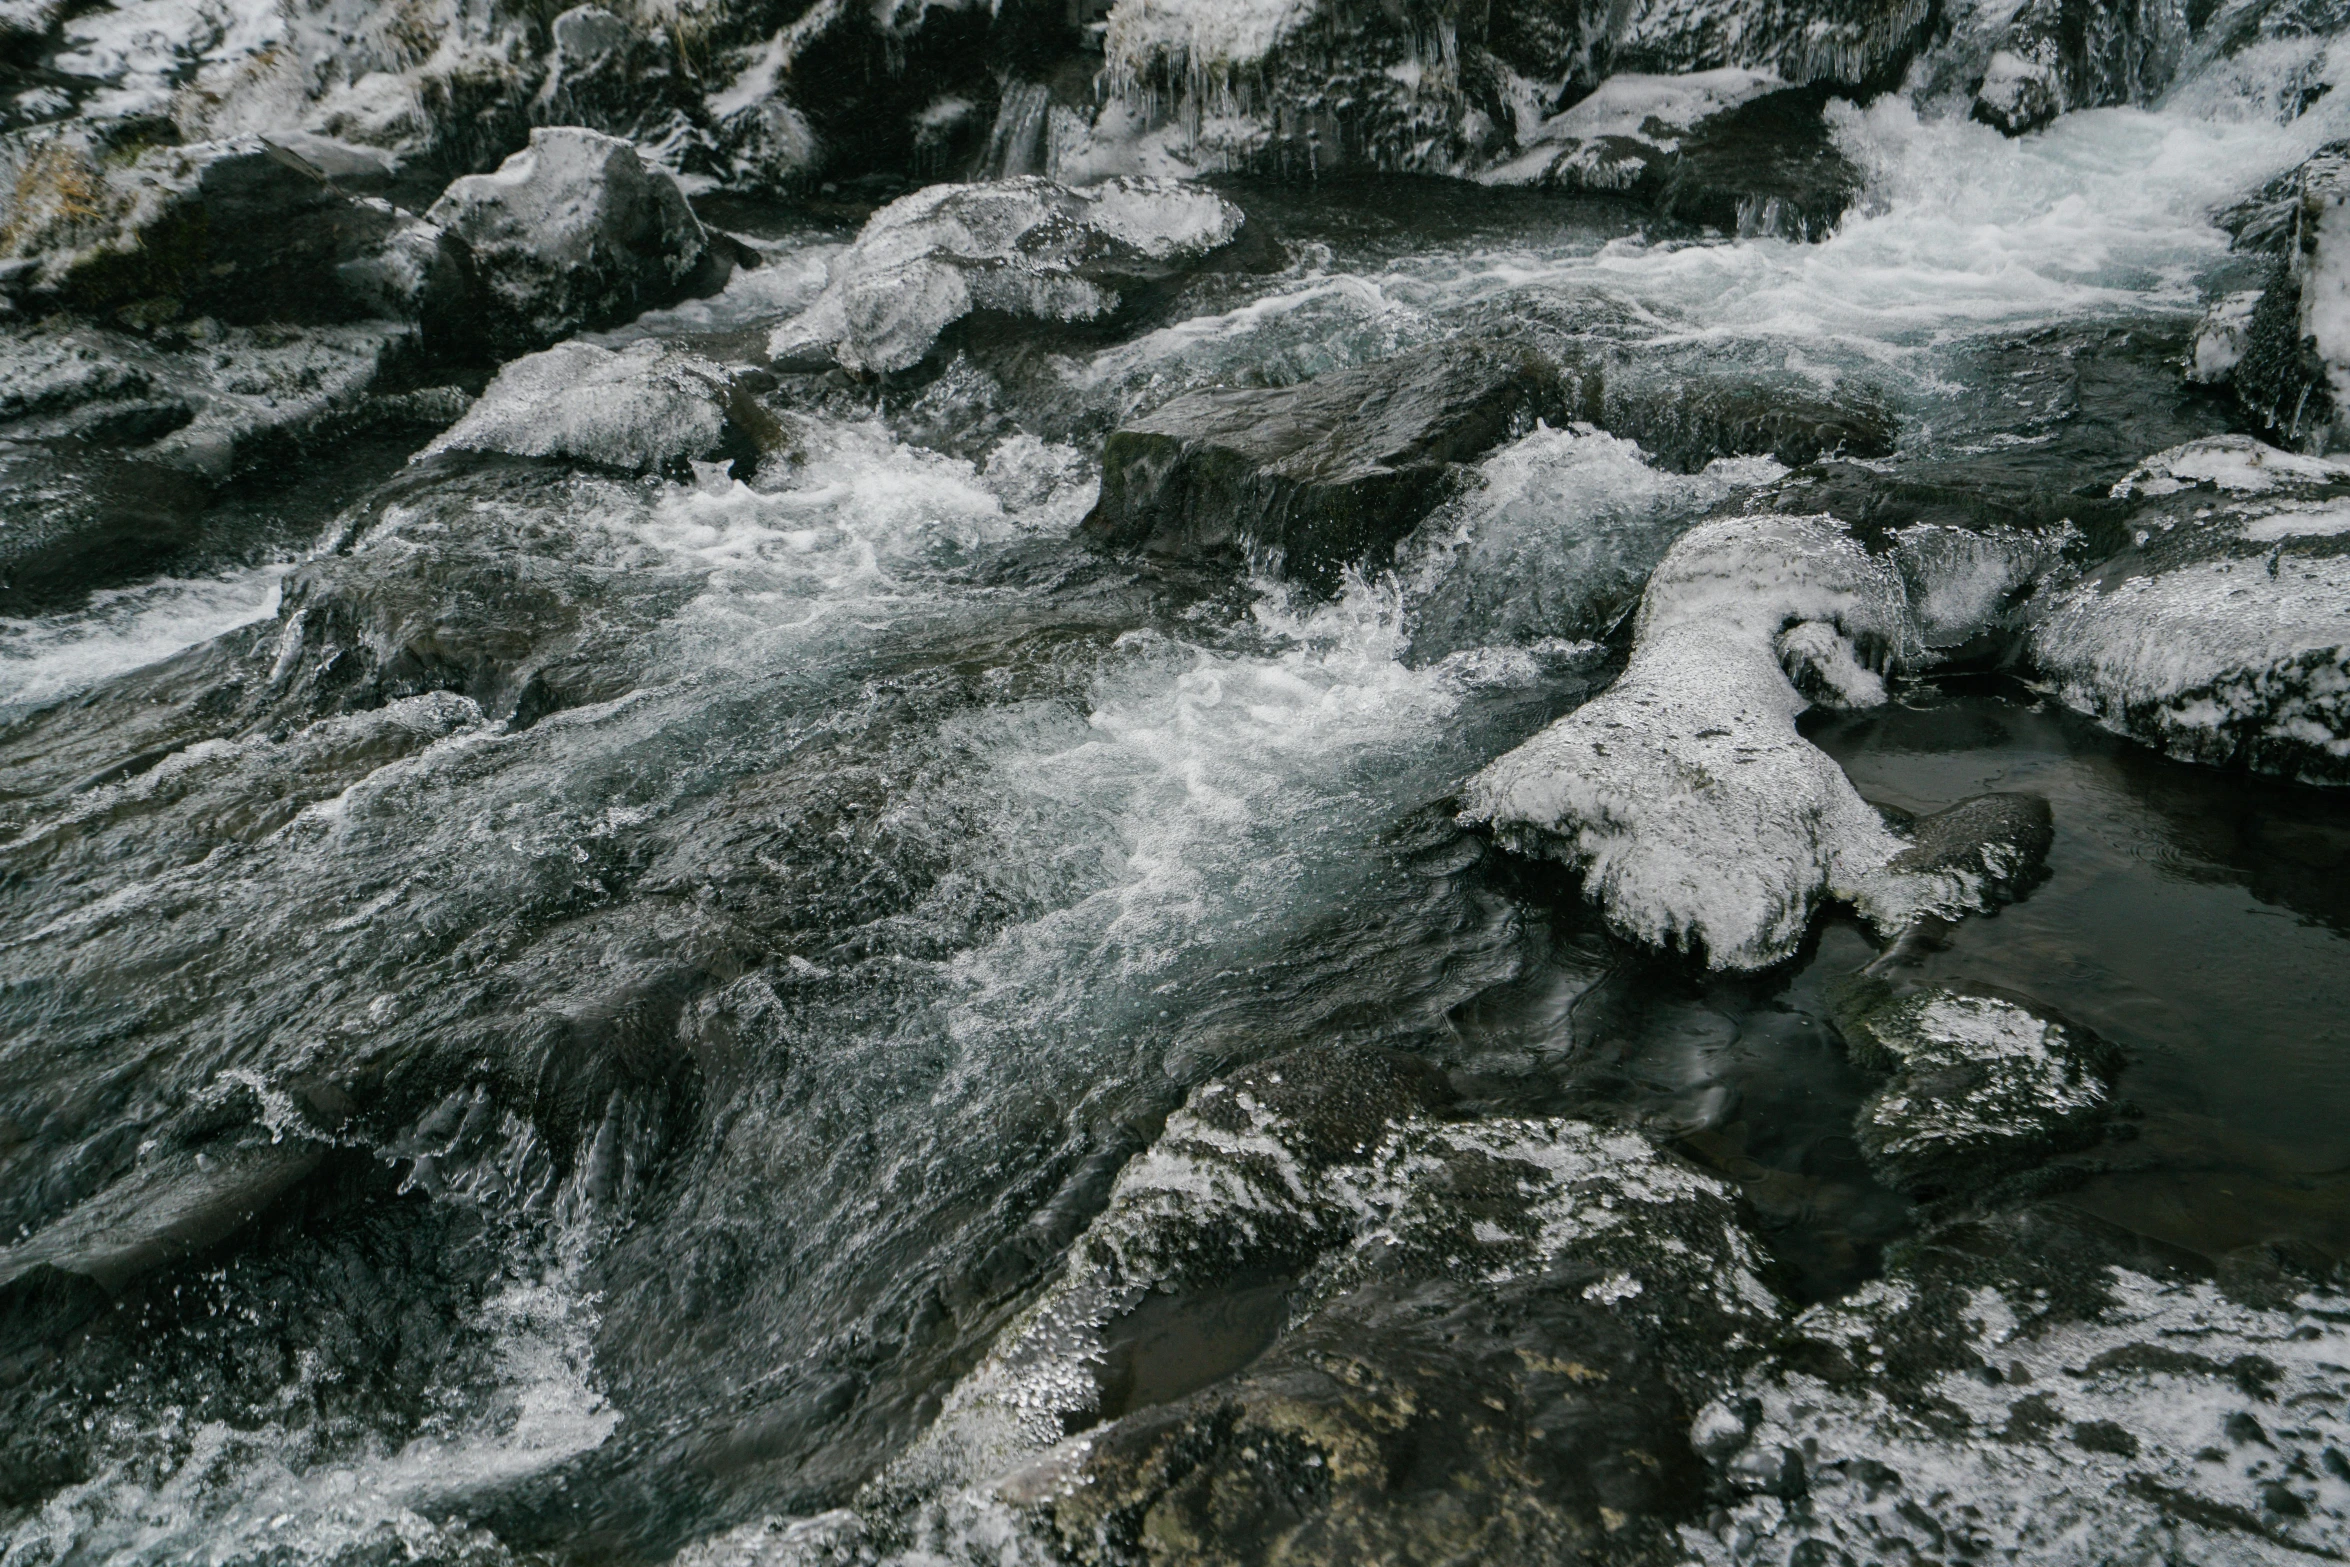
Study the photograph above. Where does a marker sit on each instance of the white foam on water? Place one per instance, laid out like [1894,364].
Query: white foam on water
[223,1495]
[47,657]
[1961,232]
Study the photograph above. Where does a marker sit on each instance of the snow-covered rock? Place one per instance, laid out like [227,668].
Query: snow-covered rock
[1022,247]
[2223,634]
[649,407]
[1330,472]
[2043,1388]
[1979,1087]
[574,231]
[2221,338]
[1697,815]
[1587,1285]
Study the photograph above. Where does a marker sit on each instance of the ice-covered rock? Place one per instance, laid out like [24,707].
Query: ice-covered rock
[1697,815]
[2221,338]
[247,230]
[1019,247]
[1309,86]
[2292,373]
[2223,633]
[649,407]
[574,231]
[1730,149]
[1528,1302]
[1979,1087]
[2040,1387]
[1329,472]
[1623,134]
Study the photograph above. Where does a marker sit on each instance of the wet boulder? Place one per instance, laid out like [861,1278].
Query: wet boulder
[1623,136]
[648,408]
[248,230]
[2043,1387]
[1329,472]
[112,445]
[2054,55]
[1021,247]
[1686,421]
[573,232]
[2222,633]
[1317,1322]
[1977,1088]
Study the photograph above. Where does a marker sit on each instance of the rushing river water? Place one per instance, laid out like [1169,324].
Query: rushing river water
[665,1101]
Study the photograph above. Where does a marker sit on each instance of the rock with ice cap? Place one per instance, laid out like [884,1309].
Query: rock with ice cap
[1697,814]
[649,407]
[1330,472]
[2222,634]
[1020,247]
[2046,1388]
[1978,1087]
[2291,370]
[574,231]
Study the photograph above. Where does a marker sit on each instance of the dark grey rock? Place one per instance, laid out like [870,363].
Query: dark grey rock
[1979,1088]
[573,232]
[1687,422]
[1328,473]
[2055,55]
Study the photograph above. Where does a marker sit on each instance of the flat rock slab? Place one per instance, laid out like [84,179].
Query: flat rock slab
[1328,473]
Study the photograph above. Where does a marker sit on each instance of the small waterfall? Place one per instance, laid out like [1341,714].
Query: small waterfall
[1016,145]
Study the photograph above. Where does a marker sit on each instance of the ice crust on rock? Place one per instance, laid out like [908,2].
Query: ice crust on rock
[1697,814]
[1621,135]
[2223,634]
[1328,1163]
[573,231]
[1979,1087]
[2044,1390]
[1024,247]
[647,407]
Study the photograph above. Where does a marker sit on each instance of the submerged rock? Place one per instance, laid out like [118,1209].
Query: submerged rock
[1697,815]
[1980,1088]
[2222,634]
[649,407]
[1019,247]
[2042,1388]
[1328,473]
[574,231]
